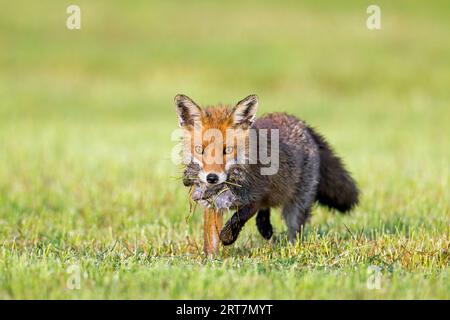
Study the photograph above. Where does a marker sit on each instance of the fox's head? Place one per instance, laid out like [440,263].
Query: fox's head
[216,137]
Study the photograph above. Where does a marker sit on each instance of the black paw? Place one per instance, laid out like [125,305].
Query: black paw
[263,223]
[230,231]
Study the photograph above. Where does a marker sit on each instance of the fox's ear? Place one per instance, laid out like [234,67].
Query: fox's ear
[245,111]
[189,113]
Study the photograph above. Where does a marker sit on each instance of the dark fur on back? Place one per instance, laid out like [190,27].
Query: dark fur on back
[336,189]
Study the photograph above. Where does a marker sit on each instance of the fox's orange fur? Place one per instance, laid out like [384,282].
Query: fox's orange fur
[216,152]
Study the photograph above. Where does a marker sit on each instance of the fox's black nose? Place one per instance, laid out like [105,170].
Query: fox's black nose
[212,178]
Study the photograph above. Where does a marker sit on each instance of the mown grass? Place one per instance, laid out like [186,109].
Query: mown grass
[86,176]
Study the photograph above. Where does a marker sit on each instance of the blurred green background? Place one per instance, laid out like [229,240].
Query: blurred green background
[86,176]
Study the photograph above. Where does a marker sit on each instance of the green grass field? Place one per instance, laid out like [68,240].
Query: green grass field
[88,190]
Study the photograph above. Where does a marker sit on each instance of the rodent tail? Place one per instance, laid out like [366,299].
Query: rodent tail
[336,189]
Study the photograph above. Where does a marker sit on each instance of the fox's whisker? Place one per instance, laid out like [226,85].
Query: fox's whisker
[232,183]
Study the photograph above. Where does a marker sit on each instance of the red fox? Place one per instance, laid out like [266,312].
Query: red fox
[307,170]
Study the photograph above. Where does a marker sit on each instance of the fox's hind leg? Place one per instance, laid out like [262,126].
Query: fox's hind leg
[297,210]
[295,217]
[263,223]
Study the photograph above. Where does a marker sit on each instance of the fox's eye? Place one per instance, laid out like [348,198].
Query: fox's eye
[199,149]
[228,150]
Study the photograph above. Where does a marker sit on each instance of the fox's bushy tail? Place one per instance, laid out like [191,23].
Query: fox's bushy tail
[336,189]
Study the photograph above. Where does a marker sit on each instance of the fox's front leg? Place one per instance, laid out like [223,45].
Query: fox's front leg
[263,223]
[233,227]
[212,224]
